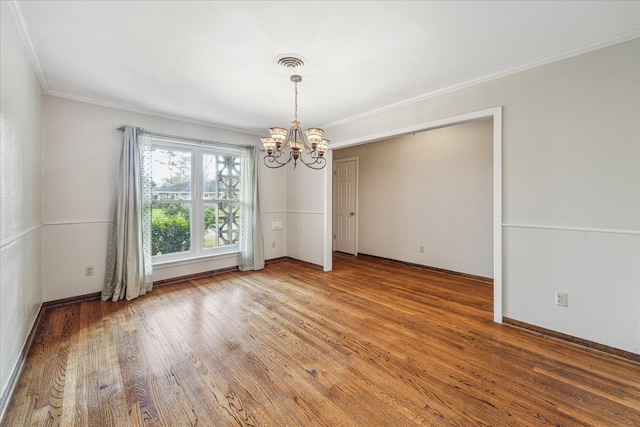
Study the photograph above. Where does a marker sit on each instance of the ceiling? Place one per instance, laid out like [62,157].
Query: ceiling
[213,61]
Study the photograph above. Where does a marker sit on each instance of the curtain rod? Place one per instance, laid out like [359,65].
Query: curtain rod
[192,140]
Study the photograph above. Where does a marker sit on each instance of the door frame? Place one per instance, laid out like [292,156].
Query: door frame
[355,237]
[494,113]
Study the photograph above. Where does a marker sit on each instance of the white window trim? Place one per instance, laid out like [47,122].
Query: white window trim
[197,252]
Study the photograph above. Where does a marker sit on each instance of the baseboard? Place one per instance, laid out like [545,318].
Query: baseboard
[275,260]
[71,300]
[306,263]
[226,270]
[5,398]
[194,276]
[425,267]
[297,261]
[97,295]
[612,351]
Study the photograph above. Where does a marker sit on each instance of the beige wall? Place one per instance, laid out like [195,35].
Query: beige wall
[82,152]
[20,199]
[431,189]
[571,187]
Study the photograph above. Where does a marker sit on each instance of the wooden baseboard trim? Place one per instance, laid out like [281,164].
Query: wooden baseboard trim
[627,355]
[425,267]
[306,263]
[194,276]
[5,398]
[229,269]
[297,261]
[97,295]
[71,300]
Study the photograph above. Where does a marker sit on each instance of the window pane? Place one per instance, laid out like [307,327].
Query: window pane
[170,228]
[228,219]
[221,175]
[170,174]
[210,225]
[221,224]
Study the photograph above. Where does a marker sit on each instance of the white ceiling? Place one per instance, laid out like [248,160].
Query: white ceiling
[214,61]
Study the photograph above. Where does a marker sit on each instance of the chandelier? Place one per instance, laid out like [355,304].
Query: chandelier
[282,147]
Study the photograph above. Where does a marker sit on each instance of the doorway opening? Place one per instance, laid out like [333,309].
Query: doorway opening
[493,113]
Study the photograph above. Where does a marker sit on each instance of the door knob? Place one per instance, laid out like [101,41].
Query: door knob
[352,213]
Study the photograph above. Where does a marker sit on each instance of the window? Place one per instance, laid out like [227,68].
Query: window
[195,200]
[221,196]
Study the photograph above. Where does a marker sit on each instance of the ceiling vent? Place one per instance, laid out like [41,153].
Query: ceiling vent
[290,60]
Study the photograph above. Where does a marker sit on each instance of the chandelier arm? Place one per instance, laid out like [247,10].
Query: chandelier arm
[283,155]
[317,164]
[275,154]
[316,160]
[271,160]
[313,153]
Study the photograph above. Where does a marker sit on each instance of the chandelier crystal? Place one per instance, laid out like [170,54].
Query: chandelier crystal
[282,147]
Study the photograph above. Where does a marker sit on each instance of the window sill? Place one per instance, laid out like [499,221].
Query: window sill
[194,260]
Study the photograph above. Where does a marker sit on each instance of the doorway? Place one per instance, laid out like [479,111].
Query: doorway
[494,113]
[345,212]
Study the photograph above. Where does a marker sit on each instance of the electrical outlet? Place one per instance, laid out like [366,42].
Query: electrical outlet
[88,271]
[273,245]
[421,249]
[562,299]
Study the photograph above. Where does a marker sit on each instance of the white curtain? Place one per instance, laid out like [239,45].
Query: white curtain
[129,270]
[251,242]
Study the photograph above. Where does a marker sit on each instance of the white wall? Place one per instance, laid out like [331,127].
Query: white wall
[432,189]
[82,151]
[299,210]
[305,197]
[571,187]
[273,182]
[20,197]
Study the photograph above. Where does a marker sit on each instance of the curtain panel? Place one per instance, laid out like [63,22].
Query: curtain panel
[129,268]
[251,241]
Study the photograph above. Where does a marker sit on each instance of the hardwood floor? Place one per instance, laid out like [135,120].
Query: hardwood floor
[369,344]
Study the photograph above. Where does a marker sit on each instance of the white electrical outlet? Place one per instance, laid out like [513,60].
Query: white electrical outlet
[562,299]
[421,249]
[273,245]
[88,271]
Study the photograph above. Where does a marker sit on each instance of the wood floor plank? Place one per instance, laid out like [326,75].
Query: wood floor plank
[371,343]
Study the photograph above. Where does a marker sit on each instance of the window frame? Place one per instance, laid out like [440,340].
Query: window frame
[197,202]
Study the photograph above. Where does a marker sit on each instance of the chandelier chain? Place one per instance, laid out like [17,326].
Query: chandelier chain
[296,102]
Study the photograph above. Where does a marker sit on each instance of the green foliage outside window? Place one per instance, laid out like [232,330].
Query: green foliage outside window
[170,228]
[170,235]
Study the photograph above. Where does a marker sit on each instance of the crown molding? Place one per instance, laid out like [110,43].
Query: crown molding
[621,38]
[21,26]
[26,39]
[140,110]
[14,9]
